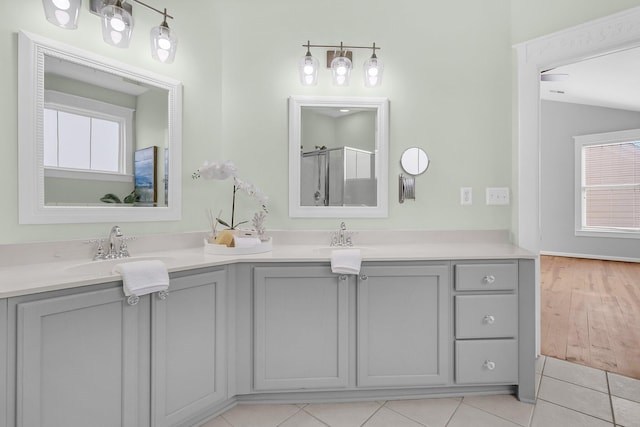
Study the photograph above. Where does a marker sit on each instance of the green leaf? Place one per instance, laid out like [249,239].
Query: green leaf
[223,223]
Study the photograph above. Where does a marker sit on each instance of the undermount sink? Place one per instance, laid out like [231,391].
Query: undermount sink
[328,249]
[105,267]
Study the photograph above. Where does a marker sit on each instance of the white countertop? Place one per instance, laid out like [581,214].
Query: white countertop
[33,268]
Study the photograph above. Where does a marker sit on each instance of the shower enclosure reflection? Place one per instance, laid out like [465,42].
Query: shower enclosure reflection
[343,176]
[338,157]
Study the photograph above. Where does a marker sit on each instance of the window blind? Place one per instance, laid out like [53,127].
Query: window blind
[611,185]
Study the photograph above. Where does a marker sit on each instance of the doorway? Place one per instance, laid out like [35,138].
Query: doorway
[568,46]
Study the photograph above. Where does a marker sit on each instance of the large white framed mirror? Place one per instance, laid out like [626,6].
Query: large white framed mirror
[338,157]
[99,140]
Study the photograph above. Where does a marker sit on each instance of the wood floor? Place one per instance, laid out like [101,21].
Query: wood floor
[591,313]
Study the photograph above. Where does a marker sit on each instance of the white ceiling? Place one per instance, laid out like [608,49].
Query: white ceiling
[611,80]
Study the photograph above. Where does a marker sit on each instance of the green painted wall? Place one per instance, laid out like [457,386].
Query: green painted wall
[447,74]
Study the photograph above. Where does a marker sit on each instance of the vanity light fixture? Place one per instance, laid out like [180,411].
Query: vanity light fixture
[341,68]
[308,68]
[340,63]
[117,24]
[373,68]
[163,42]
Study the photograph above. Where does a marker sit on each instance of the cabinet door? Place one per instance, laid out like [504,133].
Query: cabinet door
[301,328]
[188,348]
[403,326]
[78,361]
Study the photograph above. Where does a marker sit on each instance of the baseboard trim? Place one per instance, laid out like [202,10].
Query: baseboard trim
[589,256]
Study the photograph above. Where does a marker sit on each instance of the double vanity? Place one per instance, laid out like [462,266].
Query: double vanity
[430,314]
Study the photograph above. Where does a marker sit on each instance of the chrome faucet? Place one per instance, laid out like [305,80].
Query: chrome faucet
[116,246]
[113,235]
[342,237]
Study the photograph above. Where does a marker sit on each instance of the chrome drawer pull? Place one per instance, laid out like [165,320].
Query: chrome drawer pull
[488,364]
[489,279]
[364,277]
[342,277]
[489,319]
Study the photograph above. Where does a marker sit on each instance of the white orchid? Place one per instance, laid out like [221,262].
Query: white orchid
[217,170]
[222,171]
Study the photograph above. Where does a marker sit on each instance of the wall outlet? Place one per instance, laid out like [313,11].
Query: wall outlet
[498,196]
[466,196]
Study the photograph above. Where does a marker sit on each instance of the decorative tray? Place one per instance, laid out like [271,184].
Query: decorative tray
[211,248]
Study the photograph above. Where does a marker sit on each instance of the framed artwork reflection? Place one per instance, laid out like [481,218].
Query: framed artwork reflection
[144,167]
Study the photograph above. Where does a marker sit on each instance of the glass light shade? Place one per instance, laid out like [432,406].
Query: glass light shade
[164,44]
[63,13]
[308,68]
[117,25]
[373,69]
[341,70]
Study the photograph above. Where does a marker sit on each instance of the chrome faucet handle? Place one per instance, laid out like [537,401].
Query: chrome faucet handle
[99,255]
[124,250]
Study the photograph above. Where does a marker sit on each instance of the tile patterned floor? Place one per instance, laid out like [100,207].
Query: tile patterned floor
[569,395]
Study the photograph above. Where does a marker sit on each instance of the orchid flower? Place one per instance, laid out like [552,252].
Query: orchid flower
[222,171]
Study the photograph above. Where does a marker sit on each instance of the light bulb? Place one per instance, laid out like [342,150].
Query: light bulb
[62,4]
[162,55]
[62,17]
[308,69]
[117,23]
[164,43]
[116,37]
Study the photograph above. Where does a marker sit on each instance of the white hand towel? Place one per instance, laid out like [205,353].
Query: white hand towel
[143,277]
[346,261]
[245,242]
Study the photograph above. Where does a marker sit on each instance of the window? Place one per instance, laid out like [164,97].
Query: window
[86,138]
[608,184]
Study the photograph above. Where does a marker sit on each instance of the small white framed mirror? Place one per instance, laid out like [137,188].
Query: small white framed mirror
[414,161]
[338,157]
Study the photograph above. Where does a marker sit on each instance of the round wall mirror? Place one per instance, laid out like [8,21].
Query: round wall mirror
[414,161]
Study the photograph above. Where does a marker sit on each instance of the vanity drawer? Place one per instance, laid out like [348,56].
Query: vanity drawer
[487,361]
[486,316]
[486,277]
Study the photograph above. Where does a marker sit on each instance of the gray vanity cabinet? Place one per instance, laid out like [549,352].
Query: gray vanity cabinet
[88,358]
[301,316]
[188,348]
[79,361]
[4,361]
[403,323]
[486,305]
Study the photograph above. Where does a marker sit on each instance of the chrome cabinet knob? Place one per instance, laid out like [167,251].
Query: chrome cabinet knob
[490,279]
[488,364]
[489,319]
[364,277]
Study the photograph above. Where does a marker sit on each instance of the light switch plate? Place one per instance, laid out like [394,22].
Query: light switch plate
[498,196]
